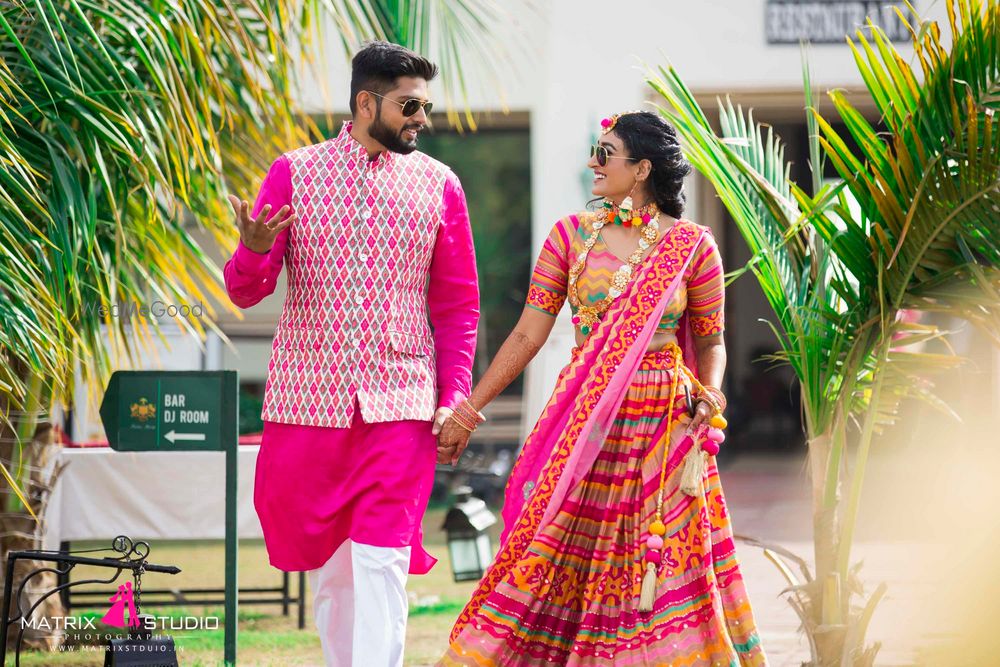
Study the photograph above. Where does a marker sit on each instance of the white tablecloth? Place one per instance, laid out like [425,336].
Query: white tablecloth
[148,495]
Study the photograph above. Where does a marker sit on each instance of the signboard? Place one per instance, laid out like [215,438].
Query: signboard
[169,410]
[180,411]
[830,21]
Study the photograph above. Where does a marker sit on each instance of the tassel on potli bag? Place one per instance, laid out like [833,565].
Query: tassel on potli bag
[647,595]
[696,461]
[704,443]
[694,470]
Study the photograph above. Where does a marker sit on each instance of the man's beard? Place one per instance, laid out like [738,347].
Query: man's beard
[391,139]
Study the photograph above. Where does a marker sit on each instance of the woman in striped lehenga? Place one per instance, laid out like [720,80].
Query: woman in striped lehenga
[617,546]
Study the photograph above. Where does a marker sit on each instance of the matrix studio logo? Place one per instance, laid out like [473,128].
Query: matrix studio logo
[90,634]
[143,410]
[122,599]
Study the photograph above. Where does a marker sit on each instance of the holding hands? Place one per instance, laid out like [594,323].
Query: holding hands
[453,429]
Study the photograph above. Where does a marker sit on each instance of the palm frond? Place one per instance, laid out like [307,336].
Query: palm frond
[122,126]
[746,165]
[934,183]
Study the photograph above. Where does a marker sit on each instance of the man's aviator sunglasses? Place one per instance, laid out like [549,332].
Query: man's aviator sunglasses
[410,106]
[601,153]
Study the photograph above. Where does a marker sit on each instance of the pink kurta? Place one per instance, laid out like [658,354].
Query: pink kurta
[381,253]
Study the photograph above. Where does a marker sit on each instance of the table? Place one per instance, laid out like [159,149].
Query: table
[157,495]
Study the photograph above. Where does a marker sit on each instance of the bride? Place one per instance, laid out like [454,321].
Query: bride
[617,546]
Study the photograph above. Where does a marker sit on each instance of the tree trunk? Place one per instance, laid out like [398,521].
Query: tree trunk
[827,613]
[824,518]
[37,460]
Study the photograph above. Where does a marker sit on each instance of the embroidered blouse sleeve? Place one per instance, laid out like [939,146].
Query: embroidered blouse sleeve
[547,291]
[250,276]
[706,290]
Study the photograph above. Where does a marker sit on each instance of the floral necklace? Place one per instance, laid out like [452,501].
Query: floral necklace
[588,316]
[626,216]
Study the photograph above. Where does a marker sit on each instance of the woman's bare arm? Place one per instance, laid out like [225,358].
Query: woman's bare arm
[521,346]
[711,354]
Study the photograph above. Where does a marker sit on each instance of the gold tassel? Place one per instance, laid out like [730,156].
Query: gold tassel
[694,471]
[648,591]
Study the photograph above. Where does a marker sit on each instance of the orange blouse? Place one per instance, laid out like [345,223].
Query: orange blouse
[702,294]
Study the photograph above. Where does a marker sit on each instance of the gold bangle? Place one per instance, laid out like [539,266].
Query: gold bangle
[713,396]
[720,399]
[470,413]
[710,400]
[713,408]
[455,417]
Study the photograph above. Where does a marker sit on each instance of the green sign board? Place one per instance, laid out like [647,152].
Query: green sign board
[179,411]
[169,410]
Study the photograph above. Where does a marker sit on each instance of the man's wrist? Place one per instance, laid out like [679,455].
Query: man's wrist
[248,260]
[254,248]
[449,397]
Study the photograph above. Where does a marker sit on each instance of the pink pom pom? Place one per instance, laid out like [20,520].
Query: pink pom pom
[654,542]
[710,447]
[606,122]
[646,217]
[716,434]
[576,319]
[652,556]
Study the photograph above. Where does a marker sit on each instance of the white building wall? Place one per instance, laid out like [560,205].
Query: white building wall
[593,66]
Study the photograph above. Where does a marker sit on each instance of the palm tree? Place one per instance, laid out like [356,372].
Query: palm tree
[923,234]
[122,126]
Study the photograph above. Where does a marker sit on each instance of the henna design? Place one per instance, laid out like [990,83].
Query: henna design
[512,358]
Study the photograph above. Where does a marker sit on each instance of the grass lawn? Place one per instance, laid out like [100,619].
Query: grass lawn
[265,636]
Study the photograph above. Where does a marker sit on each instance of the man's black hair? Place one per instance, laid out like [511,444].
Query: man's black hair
[379,64]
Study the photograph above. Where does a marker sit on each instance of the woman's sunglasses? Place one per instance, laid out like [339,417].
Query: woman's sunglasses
[410,106]
[601,153]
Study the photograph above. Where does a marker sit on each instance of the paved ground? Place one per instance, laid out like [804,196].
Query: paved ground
[769,500]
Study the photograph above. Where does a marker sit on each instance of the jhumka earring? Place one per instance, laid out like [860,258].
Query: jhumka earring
[626,206]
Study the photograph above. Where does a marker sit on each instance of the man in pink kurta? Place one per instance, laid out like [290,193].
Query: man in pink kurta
[378,248]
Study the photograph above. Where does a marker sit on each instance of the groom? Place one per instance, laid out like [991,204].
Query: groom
[377,241]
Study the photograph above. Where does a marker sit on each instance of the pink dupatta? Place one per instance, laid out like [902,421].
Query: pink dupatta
[572,428]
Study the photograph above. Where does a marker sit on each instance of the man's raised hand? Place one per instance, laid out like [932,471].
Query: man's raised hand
[258,233]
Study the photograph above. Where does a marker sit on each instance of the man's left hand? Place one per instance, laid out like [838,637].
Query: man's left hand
[452,441]
[440,417]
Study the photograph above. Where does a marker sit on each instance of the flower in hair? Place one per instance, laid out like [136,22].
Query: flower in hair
[608,124]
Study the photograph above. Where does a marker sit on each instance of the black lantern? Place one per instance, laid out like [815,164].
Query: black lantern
[469,544]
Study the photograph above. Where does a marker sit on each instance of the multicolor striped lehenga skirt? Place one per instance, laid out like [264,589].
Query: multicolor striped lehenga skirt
[573,598]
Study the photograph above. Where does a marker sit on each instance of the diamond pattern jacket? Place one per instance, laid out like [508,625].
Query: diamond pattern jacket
[382,304]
